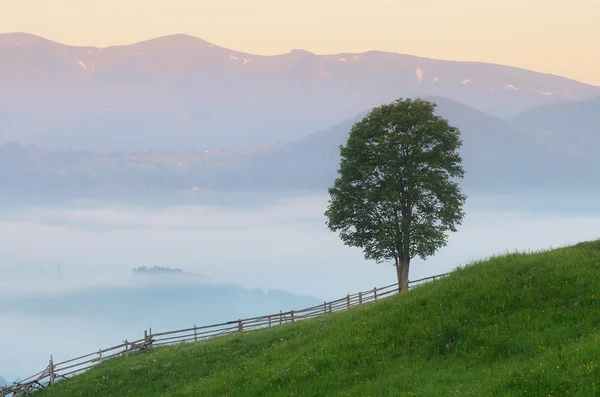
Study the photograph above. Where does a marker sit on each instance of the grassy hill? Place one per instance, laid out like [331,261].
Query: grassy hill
[514,325]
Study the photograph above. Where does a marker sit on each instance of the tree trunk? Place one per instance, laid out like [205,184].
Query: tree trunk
[402,272]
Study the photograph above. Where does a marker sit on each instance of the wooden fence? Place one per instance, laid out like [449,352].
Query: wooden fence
[54,372]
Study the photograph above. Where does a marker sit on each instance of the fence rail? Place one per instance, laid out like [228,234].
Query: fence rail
[55,371]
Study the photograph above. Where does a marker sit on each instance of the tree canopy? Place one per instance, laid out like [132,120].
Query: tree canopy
[397,193]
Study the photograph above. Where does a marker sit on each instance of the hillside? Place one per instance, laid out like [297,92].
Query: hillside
[495,155]
[513,325]
[180,92]
[572,128]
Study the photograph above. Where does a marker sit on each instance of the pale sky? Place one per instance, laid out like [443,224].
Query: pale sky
[554,36]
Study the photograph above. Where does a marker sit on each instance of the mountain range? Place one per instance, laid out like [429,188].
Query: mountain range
[573,128]
[179,92]
[497,154]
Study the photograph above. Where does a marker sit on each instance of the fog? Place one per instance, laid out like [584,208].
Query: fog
[281,243]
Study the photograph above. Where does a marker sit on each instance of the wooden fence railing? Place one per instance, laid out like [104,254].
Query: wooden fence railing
[54,372]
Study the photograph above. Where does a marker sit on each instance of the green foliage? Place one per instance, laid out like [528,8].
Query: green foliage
[514,325]
[396,195]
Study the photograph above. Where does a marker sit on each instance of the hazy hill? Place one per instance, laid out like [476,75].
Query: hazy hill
[158,297]
[513,325]
[82,319]
[179,92]
[495,155]
[573,128]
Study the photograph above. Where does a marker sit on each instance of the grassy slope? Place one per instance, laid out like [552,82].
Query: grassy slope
[521,325]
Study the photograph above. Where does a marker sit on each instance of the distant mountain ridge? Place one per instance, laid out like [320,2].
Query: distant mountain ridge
[572,127]
[497,154]
[179,92]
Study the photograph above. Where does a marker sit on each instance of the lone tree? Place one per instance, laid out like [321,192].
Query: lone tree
[396,195]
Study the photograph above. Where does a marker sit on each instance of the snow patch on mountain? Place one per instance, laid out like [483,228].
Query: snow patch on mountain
[510,87]
[356,58]
[246,60]
[233,57]
[83,65]
[435,79]
[341,59]
[465,81]
[547,93]
[419,74]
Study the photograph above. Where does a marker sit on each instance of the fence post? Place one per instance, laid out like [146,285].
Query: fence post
[292,313]
[99,355]
[348,301]
[375,292]
[360,298]
[269,321]
[330,308]
[145,336]
[195,333]
[280,317]
[240,326]
[126,351]
[324,307]
[51,370]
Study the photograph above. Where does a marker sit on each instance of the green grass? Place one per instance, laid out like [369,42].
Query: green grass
[515,325]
